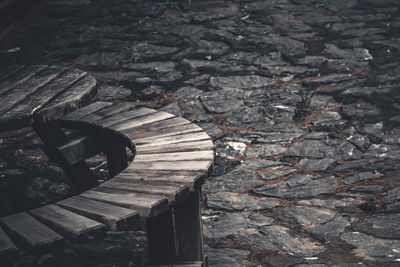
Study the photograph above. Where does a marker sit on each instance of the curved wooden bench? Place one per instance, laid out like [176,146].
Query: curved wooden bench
[159,191]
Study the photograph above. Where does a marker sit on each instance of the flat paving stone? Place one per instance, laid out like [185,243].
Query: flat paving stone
[239,202]
[299,96]
[299,185]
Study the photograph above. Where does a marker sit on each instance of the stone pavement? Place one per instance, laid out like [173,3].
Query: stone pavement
[301,97]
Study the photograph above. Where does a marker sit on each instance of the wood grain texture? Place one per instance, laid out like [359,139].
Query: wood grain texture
[177,156]
[125,116]
[155,126]
[157,116]
[174,193]
[22,91]
[45,95]
[189,165]
[68,223]
[145,205]
[180,138]
[191,178]
[7,247]
[29,231]
[108,112]
[173,130]
[7,71]
[87,110]
[72,99]
[175,147]
[114,217]
[19,77]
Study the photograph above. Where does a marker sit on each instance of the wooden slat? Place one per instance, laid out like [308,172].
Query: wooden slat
[190,178]
[22,91]
[87,110]
[178,156]
[29,231]
[45,94]
[7,71]
[122,117]
[114,217]
[69,101]
[180,264]
[109,111]
[156,141]
[7,247]
[20,77]
[175,147]
[155,126]
[145,205]
[157,116]
[175,130]
[172,165]
[67,222]
[174,193]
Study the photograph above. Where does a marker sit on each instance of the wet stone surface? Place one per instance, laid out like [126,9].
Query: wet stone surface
[301,99]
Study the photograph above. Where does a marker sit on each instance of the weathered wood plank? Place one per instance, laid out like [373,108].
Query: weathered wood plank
[87,110]
[180,264]
[20,77]
[155,126]
[22,91]
[108,112]
[67,222]
[44,95]
[191,178]
[70,100]
[175,147]
[7,71]
[156,141]
[123,117]
[172,165]
[7,247]
[145,205]
[29,231]
[114,217]
[180,129]
[157,116]
[178,156]
[174,193]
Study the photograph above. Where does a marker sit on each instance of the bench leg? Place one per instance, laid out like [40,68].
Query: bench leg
[160,236]
[117,159]
[52,136]
[188,229]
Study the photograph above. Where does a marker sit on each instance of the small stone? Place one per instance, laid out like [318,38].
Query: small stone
[320,221]
[361,111]
[383,151]
[221,101]
[188,93]
[371,248]
[315,165]
[370,189]
[111,92]
[237,180]
[239,202]
[227,257]
[248,82]
[362,176]
[335,149]
[275,174]
[386,226]
[299,186]
[264,151]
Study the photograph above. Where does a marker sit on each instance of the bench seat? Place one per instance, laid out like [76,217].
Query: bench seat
[159,191]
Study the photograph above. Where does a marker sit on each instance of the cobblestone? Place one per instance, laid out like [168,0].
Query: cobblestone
[301,99]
